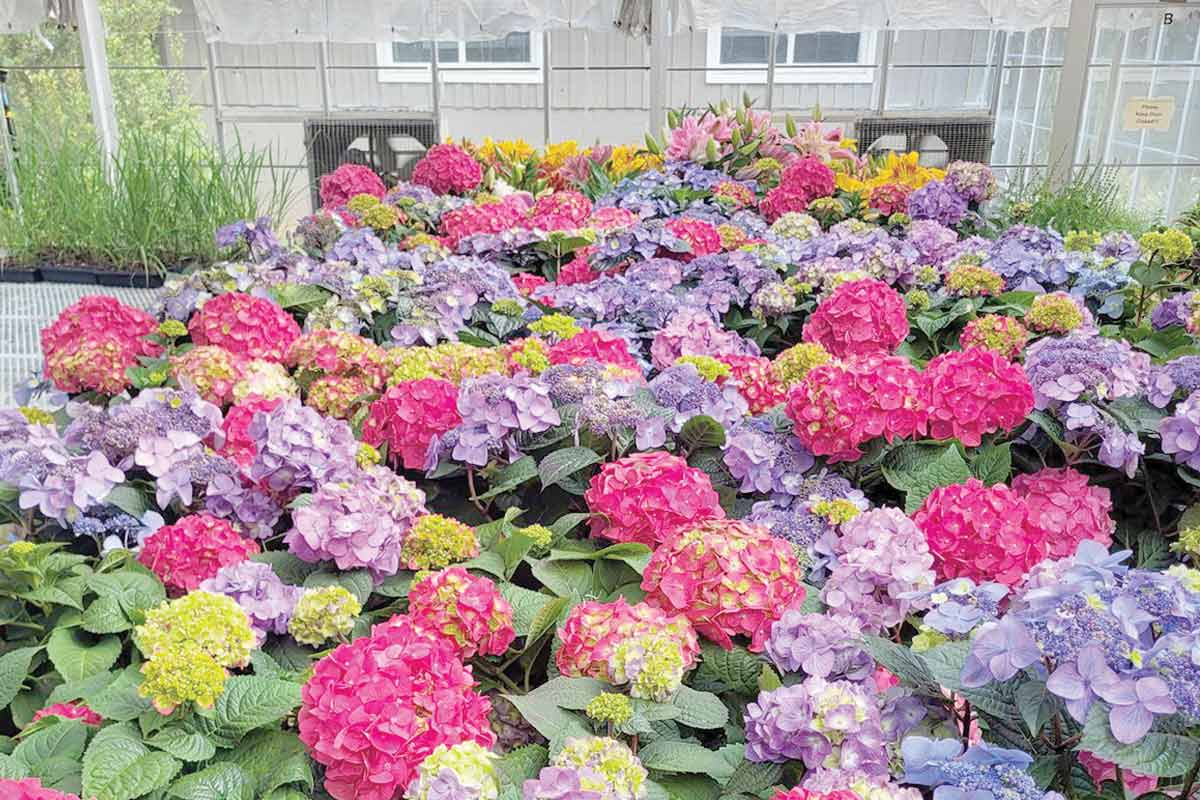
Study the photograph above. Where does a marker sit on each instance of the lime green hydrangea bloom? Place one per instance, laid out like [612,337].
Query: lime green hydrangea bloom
[927,639]
[472,765]
[381,217]
[172,329]
[827,209]
[838,278]
[1188,542]
[531,356]
[1082,241]
[709,368]
[539,534]
[611,708]
[436,542]
[189,644]
[507,306]
[836,511]
[795,225]
[927,275]
[1054,313]
[559,327]
[790,366]
[411,364]
[1190,578]
[918,299]
[619,774]
[37,416]
[1171,245]
[362,203]
[971,280]
[652,665]
[367,456]
[323,613]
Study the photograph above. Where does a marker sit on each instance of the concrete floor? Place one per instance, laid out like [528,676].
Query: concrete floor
[26,308]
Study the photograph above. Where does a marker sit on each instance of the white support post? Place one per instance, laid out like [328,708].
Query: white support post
[659,57]
[1067,119]
[95,65]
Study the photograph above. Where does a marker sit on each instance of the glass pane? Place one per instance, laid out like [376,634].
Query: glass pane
[512,49]
[422,52]
[826,48]
[743,47]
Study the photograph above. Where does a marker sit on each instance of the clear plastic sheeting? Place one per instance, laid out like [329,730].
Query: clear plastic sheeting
[265,21]
[21,16]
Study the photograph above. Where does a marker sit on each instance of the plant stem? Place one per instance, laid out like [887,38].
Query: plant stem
[1189,781]
[473,498]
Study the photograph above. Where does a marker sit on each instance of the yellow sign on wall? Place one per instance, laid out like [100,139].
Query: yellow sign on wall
[1148,114]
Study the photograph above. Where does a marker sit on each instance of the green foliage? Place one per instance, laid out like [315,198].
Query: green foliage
[1093,199]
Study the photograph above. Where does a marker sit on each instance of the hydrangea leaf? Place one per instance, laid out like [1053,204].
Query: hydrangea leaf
[993,463]
[250,702]
[727,670]
[272,759]
[522,764]
[76,659]
[512,476]
[120,702]
[14,666]
[560,464]
[104,615]
[218,782]
[118,766]
[702,710]
[1166,751]
[183,744]
[668,756]
[701,431]
[65,738]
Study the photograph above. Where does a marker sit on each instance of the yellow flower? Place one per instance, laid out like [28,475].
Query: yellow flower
[850,183]
[907,170]
[558,153]
[323,613]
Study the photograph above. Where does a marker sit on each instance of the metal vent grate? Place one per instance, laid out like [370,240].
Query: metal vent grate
[390,147]
[939,140]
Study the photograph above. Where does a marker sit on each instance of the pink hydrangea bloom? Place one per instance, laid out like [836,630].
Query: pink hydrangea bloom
[1099,770]
[30,789]
[337,395]
[459,223]
[448,169]
[802,181]
[235,442]
[1006,335]
[593,630]
[607,348]
[646,497]
[565,210]
[859,317]
[973,392]
[91,344]
[890,198]
[985,533]
[375,708]
[246,325]
[347,181]
[754,380]
[701,237]
[728,577]
[76,710]
[578,269]
[338,353]
[692,332]
[611,217]
[1064,504]
[192,550]
[211,370]
[733,193]
[409,415]
[782,200]
[842,405]
[468,610]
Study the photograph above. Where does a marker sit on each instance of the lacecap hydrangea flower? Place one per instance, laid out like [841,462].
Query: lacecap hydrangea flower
[728,577]
[593,631]
[591,768]
[646,497]
[986,533]
[376,708]
[245,325]
[189,645]
[858,318]
[823,723]
[192,550]
[969,393]
[467,609]
[983,771]
[465,771]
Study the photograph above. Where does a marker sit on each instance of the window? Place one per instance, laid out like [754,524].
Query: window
[740,56]
[517,58]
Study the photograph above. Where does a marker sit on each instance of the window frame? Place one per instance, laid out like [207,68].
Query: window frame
[462,71]
[860,72]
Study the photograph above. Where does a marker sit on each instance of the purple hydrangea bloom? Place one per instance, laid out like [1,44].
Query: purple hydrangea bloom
[71,485]
[359,522]
[617,408]
[1180,375]
[788,516]
[231,498]
[1021,256]
[823,646]
[1181,432]
[153,413]
[972,180]
[998,652]
[1135,702]
[1084,365]
[179,461]
[297,449]
[1076,681]
[1121,246]
[879,560]
[256,235]
[958,606]
[692,332]
[764,459]
[933,240]
[983,772]
[819,722]
[686,393]
[562,783]
[939,201]
[1175,310]
[494,408]
[267,600]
